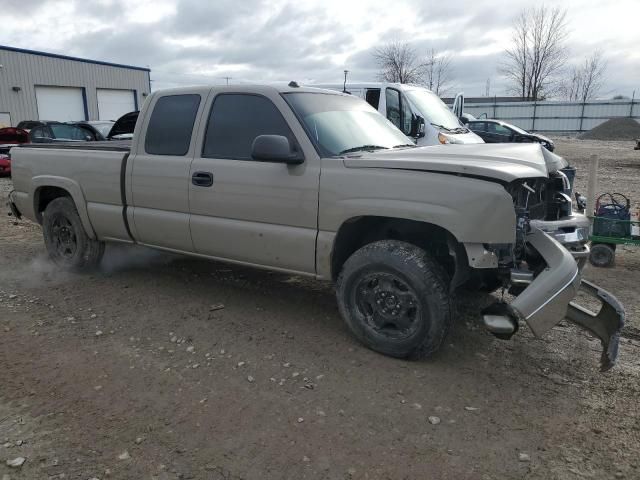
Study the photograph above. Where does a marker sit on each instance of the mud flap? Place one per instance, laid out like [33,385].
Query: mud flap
[606,324]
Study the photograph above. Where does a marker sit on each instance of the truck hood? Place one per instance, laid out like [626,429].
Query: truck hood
[501,161]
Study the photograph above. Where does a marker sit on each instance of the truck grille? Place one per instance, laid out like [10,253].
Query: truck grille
[542,198]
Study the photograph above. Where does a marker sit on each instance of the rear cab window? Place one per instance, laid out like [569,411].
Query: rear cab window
[171,125]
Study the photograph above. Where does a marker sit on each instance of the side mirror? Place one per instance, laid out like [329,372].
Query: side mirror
[274,148]
[417,127]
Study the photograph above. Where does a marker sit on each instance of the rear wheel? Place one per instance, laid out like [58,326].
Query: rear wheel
[602,255]
[67,243]
[394,298]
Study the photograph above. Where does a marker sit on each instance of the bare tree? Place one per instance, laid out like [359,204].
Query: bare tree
[399,63]
[437,76]
[538,52]
[585,81]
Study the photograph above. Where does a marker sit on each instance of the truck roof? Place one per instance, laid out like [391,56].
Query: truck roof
[399,86]
[249,87]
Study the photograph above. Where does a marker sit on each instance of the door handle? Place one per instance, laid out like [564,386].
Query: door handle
[202,179]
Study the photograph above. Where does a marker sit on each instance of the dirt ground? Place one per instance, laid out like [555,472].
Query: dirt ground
[163,367]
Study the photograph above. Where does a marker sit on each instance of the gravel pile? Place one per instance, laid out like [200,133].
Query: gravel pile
[614,129]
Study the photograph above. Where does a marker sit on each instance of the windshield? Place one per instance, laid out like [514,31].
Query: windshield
[433,109]
[339,124]
[518,129]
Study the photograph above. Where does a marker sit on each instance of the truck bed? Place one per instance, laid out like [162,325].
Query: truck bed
[109,145]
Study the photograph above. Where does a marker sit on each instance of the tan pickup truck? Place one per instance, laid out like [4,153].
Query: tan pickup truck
[315,182]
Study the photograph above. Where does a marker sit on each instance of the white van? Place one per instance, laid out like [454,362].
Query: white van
[406,105]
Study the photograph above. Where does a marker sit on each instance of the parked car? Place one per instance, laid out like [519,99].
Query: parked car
[123,128]
[5,165]
[98,128]
[53,132]
[318,183]
[416,111]
[12,136]
[497,131]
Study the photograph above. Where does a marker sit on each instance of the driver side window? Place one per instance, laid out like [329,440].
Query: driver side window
[398,111]
[393,107]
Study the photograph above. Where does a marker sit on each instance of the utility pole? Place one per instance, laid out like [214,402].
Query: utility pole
[344,86]
[227,79]
[487,88]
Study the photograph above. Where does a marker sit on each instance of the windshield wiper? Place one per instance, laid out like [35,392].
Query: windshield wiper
[405,145]
[441,126]
[363,147]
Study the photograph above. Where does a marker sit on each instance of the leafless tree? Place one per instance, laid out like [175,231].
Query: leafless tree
[399,63]
[585,81]
[437,76]
[538,52]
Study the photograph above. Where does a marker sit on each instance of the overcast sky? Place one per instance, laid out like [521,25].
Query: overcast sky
[187,42]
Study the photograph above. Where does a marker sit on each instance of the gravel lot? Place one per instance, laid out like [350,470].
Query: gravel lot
[164,367]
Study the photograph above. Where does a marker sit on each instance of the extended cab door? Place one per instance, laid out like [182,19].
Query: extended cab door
[254,212]
[160,170]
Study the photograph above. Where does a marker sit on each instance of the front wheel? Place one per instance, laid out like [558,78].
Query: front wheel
[394,298]
[65,239]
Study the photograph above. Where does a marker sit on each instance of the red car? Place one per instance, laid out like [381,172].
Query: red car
[5,165]
[13,136]
[10,137]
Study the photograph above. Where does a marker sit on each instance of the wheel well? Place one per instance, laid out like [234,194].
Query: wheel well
[44,196]
[439,242]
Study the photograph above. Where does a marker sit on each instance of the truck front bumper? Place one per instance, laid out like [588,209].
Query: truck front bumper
[572,232]
[548,299]
[12,206]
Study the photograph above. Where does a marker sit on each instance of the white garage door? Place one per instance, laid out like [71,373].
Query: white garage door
[5,119]
[60,103]
[112,104]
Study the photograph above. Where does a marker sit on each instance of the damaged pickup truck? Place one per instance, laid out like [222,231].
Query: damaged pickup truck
[314,182]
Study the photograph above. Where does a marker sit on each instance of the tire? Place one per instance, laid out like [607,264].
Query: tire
[602,255]
[65,239]
[391,276]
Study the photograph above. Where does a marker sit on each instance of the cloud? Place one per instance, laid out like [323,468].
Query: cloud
[200,41]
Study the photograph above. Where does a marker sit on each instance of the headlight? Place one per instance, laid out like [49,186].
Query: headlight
[445,139]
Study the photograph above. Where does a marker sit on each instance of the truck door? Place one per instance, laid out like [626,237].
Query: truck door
[160,171]
[253,212]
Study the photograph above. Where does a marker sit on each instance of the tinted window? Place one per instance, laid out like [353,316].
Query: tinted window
[171,124]
[373,97]
[39,134]
[478,126]
[236,120]
[498,129]
[69,132]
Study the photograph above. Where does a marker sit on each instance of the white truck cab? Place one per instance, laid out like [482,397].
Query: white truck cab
[404,105]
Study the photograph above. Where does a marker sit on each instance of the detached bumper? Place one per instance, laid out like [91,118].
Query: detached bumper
[12,206]
[548,299]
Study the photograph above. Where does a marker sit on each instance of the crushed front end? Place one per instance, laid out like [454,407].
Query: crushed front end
[544,273]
